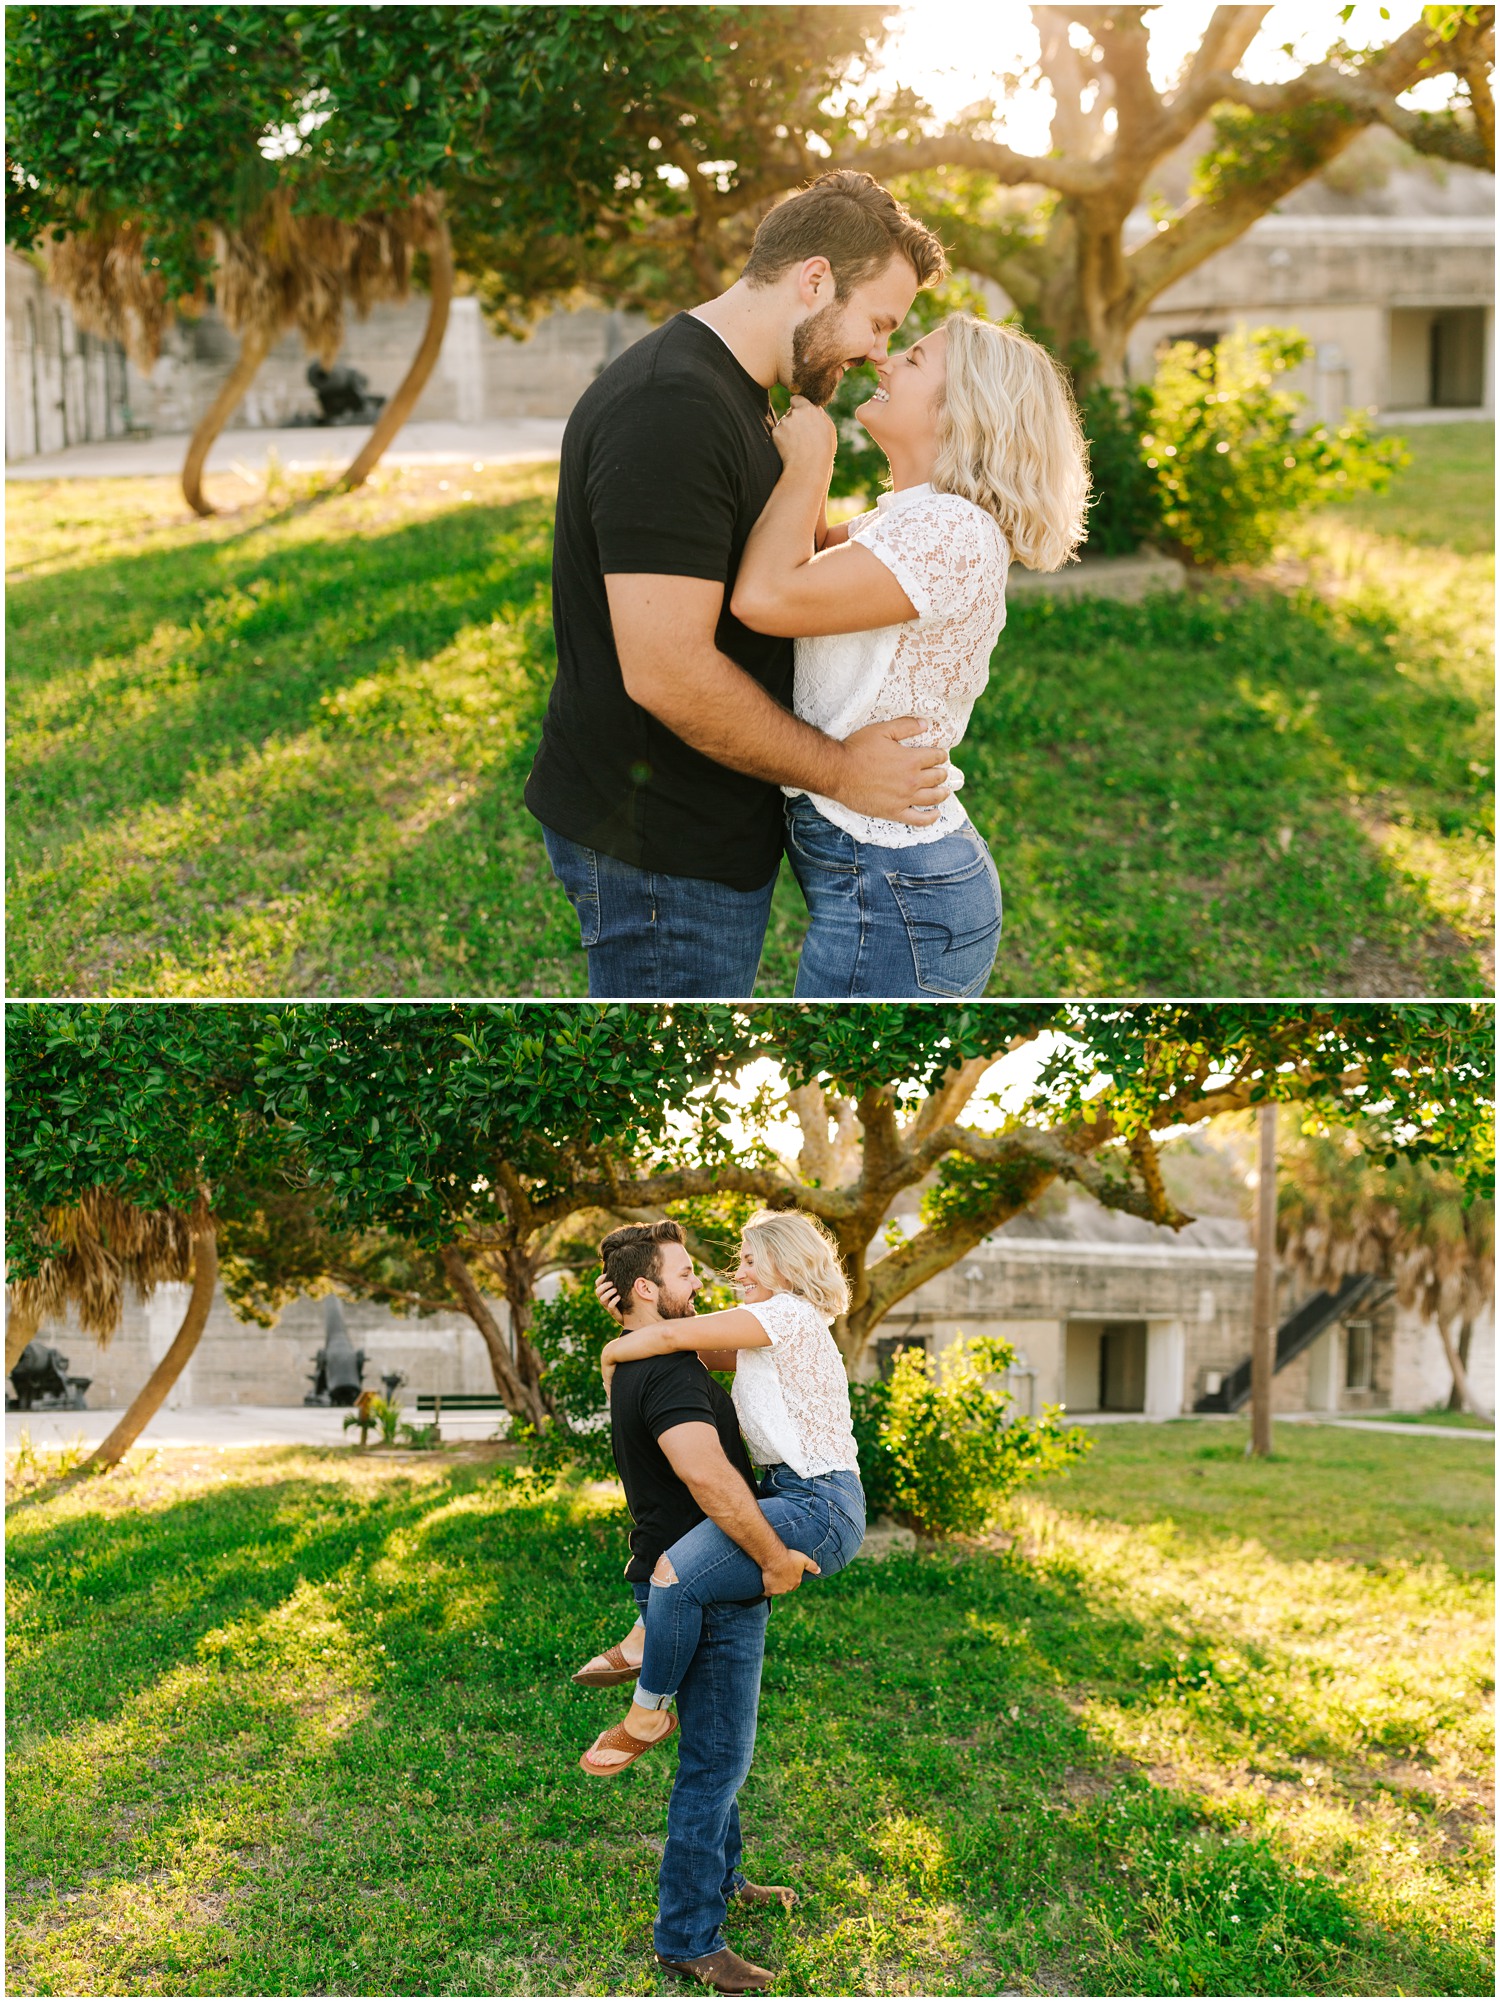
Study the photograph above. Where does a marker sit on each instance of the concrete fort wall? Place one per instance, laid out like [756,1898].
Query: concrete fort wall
[1179,1316]
[1365,291]
[479,374]
[239,1364]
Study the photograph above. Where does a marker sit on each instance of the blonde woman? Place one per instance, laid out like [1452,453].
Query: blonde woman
[896,613]
[791,1395]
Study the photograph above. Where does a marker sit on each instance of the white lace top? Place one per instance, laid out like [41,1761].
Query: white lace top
[793,1398]
[950,559]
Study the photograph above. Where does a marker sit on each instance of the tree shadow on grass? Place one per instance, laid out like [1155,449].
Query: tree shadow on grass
[1228,790]
[185,822]
[250,646]
[355,1745]
[1191,795]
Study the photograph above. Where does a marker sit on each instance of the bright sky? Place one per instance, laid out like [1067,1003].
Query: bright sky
[999,38]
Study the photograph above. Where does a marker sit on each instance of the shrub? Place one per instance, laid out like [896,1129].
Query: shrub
[938,1447]
[1230,462]
[373,1410]
[569,1334]
[1126,501]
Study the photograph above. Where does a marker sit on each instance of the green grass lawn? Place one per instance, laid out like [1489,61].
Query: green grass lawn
[283,751]
[299,1722]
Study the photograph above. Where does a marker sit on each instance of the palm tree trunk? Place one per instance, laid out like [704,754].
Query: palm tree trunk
[1461,1388]
[401,405]
[255,345]
[1465,1336]
[150,1399]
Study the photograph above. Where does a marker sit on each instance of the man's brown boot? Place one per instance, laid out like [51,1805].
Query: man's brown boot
[723,1971]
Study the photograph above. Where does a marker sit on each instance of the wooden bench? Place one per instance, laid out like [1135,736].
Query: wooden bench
[457,1400]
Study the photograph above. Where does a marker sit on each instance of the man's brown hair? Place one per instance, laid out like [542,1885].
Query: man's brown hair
[634,1252]
[854,222]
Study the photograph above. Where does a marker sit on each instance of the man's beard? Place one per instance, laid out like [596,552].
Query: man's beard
[818,363]
[675,1306]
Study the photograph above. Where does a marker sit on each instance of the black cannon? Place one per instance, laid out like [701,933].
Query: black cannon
[338,1367]
[42,1383]
[343,394]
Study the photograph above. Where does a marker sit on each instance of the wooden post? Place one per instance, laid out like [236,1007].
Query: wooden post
[1263,1309]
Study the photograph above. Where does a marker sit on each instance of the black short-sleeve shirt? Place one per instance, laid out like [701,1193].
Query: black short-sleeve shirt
[667,461]
[648,1398]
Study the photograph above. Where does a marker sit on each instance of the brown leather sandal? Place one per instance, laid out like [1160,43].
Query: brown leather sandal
[618,1739]
[619,1670]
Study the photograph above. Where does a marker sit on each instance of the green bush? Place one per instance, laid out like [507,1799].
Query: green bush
[1125,503]
[939,1449]
[377,1412]
[1229,459]
[569,1334]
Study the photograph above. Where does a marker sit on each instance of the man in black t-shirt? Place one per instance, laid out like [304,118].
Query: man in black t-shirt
[678,1448]
[670,730]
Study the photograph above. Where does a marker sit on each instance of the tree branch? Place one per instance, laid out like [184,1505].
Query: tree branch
[1124,40]
[986,156]
[1225,43]
[954,1090]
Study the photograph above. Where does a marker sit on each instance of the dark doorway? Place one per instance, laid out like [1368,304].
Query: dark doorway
[888,1347]
[1122,1366]
[1456,358]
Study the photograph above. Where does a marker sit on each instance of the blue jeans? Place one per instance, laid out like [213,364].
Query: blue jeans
[717,1705]
[651,937]
[823,1516]
[892,923]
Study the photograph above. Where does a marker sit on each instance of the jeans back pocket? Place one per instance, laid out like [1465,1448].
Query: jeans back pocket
[952,924]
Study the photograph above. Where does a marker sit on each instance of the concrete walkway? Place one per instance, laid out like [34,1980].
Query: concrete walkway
[1381,1425]
[223,1425]
[309,1425]
[501,442]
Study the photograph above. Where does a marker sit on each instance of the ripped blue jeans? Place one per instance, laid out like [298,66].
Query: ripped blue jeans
[822,1515]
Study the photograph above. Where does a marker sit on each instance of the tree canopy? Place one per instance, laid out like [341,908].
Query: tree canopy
[283,160]
[477,1135]
[1049,226]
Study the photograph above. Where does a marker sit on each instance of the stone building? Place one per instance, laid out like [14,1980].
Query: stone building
[1106,1314]
[1393,286]
[63,387]
[1399,309]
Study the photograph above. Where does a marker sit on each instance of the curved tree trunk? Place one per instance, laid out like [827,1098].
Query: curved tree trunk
[254,347]
[1465,1336]
[150,1398]
[401,405]
[520,1297]
[1461,1388]
[520,1400]
[19,1329]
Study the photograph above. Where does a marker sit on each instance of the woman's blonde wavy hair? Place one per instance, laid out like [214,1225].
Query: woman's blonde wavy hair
[1009,439]
[802,1255]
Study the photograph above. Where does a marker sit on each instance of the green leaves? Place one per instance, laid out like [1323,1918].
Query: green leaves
[939,1447]
[1230,461]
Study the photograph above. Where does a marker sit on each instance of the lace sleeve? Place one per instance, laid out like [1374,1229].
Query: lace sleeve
[780,1316]
[940,554]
